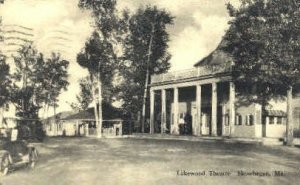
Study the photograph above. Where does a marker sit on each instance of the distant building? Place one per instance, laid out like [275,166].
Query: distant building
[83,123]
[53,125]
[202,102]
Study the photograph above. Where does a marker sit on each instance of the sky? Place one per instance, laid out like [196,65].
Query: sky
[59,25]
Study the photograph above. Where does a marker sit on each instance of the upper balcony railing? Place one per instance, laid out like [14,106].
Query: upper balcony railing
[191,73]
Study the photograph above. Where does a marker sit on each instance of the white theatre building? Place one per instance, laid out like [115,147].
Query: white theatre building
[202,101]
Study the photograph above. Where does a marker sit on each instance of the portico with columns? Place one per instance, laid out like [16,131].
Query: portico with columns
[209,102]
[201,102]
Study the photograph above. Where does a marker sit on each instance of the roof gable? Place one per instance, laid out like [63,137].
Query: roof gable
[109,112]
[216,57]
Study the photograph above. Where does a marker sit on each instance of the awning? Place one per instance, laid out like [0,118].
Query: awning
[277,113]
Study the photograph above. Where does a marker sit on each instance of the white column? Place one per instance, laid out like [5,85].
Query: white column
[258,121]
[163,111]
[214,105]
[175,129]
[231,106]
[275,120]
[152,100]
[267,120]
[197,127]
[86,129]
[224,126]
[289,123]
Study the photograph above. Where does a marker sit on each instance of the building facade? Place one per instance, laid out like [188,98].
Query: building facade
[83,123]
[203,102]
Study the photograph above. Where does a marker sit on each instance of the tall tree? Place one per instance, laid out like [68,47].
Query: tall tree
[54,78]
[37,81]
[4,77]
[85,96]
[264,41]
[145,54]
[5,84]
[99,56]
[27,86]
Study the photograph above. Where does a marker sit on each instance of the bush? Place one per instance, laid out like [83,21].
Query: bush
[30,130]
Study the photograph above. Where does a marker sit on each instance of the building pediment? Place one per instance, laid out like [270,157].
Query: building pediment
[216,57]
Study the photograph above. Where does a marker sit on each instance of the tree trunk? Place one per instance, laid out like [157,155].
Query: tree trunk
[147,81]
[55,119]
[100,106]
[1,117]
[94,101]
[54,109]
[144,102]
[24,86]
[48,99]
[47,111]
[46,107]
[289,123]
[264,110]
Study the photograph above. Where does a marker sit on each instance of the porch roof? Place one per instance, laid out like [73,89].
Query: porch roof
[108,113]
[277,113]
[60,115]
[83,115]
[217,63]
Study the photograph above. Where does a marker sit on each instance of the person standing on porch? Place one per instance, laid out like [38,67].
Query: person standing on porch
[181,123]
[188,124]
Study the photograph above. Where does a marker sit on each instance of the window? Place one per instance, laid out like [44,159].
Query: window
[181,115]
[251,119]
[6,107]
[238,119]
[271,120]
[279,120]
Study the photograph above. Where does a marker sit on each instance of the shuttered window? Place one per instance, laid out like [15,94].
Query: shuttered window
[238,119]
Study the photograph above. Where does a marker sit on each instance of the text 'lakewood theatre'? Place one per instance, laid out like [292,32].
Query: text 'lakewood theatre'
[203,101]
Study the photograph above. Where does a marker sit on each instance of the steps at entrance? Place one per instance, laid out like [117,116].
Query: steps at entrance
[272,141]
